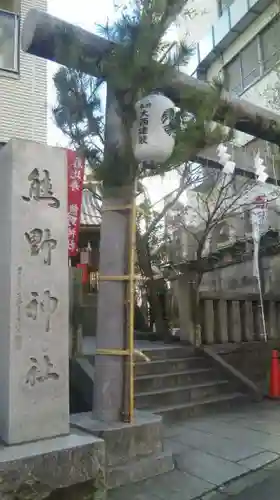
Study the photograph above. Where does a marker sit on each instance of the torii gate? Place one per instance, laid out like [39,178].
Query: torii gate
[43,34]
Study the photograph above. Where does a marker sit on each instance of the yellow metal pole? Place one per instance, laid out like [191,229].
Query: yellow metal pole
[131,299]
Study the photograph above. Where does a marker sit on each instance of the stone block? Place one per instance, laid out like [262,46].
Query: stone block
[125,442]
[260,460]
[170,366]
[178,485]
[237,486]
[35,470]
[175,485]
[215,470]
[180,395]
[157,382]
[217,445]
[214,495]
[139,470]
[133,451]
[33,292]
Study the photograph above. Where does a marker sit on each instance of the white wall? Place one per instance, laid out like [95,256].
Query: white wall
[205,14]
[258,94]
[23,97]
[198,28]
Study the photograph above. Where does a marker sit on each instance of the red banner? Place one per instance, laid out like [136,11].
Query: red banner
[76,169]
[84,268]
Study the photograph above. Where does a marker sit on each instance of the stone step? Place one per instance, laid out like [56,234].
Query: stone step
[158,381]
[139,470]
[223,402]
[161,366]
[177,395]
[168,352]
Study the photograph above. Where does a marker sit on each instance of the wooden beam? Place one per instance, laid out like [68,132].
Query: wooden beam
[46,36]
[53,39]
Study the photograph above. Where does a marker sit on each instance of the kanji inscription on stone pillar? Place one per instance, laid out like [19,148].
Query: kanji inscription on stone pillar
[34,292]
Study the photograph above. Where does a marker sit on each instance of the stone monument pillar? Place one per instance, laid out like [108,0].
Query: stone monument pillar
[33,292]
[183,290]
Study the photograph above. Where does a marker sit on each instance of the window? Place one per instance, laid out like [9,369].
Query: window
[258,57]
[223,4]
[269,41]
[250,63]
[244,69]
[234,76]
[9,40]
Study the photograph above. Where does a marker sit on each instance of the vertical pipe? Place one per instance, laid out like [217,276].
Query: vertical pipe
[131,292]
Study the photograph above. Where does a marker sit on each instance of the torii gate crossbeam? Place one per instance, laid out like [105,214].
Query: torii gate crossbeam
[43,33]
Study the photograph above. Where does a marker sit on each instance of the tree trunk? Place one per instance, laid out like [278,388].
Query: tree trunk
[154,288]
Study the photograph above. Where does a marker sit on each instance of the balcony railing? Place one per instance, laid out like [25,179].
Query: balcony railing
[232,23]
[9,41]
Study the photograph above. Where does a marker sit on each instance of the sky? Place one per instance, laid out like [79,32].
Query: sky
[84,14]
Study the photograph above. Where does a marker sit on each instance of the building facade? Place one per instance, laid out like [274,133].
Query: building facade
[239,42]
[23,78]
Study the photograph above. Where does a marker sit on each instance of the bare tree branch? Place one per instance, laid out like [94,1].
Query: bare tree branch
[222,202]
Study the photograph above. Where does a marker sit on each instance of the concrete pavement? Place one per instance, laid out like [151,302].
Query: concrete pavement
[211,452]
[268,488]
[259,485]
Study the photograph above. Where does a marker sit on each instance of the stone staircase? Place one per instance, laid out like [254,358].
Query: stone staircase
[178,383]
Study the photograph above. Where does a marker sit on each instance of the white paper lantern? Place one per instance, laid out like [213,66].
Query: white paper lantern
[152,135]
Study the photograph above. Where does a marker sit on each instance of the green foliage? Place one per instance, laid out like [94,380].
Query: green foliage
[140,61]
[139,34]
[78,112]
[153,235]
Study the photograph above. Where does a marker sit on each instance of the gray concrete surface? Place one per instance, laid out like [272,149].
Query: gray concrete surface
[210,453]
[35,470]
[134,452]
[262,484]
[269,488]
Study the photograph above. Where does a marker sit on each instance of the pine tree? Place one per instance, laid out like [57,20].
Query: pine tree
[143,60]
[138,63]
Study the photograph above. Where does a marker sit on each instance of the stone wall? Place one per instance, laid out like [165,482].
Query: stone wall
[239,277]
[250,358]
[89,315]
